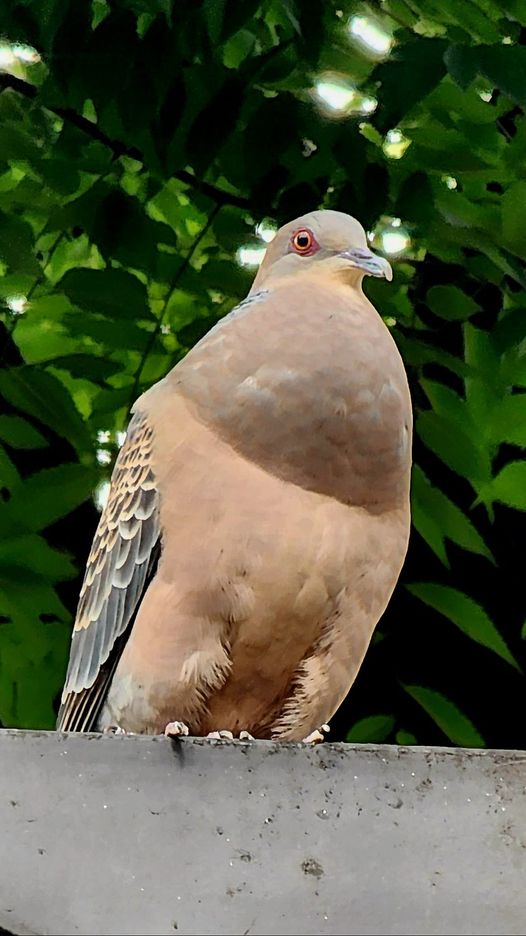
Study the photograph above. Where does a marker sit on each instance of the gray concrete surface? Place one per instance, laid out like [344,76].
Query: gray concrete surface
[110,835]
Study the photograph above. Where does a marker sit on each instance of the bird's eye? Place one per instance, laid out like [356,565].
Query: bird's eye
[303,242]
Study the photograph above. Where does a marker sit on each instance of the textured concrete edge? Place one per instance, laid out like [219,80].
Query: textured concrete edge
[499,755]
[10,927]
[285,774]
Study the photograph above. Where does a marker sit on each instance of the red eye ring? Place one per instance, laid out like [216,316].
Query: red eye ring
[303,242]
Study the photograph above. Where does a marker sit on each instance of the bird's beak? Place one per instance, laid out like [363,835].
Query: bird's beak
[364,259]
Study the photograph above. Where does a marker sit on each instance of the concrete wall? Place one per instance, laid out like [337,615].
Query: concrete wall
[110,835]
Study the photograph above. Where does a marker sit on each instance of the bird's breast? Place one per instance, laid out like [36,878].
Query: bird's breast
[320,401]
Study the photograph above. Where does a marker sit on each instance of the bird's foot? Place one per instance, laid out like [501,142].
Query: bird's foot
[316,737]
[176,729]
[245,736]
[115,729]
[228,736]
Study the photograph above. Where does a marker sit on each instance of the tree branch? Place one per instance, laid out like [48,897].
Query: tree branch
[117,147]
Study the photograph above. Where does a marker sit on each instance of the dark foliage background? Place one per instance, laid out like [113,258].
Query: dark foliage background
[141,142]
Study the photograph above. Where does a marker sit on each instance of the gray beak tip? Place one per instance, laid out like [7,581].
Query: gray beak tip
[364,259]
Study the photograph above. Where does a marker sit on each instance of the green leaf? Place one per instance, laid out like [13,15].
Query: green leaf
[15,143]
[449,405]
[236,15]
[437,518]
[227,277]
[513,229]
[503,65]
[20,434]
[463,456]
[508,332]
[417,353]
[413,71]
[462,64]
[508,422]
[123,231]
[33,654]
[238,47]
[15,284]
[214,11]
[50,306]
[449,302]
[190,334]
[9,476]
[110,335]
[114,293]
[405,738]
[39,394]
[16,244]
[509,487]
[427,525]
[455,725]
[215,122]
[60,175]
[373,730]
[468,616]
[89,366]
[483,392]
[28,558]
[48,495]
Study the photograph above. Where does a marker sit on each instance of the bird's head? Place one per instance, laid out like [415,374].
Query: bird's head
[329,242]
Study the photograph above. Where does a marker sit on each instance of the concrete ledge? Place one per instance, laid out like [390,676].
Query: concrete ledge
[111,835]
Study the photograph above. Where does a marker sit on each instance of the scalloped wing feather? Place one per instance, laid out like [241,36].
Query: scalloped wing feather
[122,560]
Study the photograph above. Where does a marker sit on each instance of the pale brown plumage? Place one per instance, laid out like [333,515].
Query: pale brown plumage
[258,516]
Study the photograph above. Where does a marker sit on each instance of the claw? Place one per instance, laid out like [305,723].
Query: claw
[115,729]
[176,729]
[220,735]
[245,736]
[317,736]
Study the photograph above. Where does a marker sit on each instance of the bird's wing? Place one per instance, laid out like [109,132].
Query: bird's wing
[122,560]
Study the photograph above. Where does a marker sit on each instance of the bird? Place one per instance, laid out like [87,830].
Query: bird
[258,513]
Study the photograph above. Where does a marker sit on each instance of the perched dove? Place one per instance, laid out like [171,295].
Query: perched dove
[258,514]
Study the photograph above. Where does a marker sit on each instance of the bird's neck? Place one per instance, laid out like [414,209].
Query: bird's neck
[346,282]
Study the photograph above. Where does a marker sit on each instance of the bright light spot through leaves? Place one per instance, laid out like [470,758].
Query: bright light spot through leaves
[266,231]
[336,95]
[370,35]
[26,53]
[101,495]
[368,105]
[338,98]
[17,304]
[394,238]
[250,256]
[13,53]
[395,144]
[7,56]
